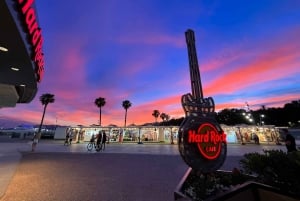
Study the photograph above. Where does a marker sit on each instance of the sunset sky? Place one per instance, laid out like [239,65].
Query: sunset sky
[248,51]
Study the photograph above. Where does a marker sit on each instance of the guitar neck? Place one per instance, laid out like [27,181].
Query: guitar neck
[193,64]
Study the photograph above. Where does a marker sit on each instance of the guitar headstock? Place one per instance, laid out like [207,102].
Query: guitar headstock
[204,107]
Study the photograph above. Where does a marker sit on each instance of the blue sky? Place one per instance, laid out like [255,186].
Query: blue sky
[248,51]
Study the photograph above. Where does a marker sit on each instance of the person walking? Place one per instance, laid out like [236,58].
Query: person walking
[67,137]
[71,133]
[104,137]
[99,141]
[35,140]
[290,142]
[256,138]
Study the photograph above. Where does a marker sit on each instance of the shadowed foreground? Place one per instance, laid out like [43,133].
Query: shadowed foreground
[97,176]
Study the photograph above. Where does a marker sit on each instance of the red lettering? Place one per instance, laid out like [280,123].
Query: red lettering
[199,138]
[208,139]
[40,73]
[210,136]
[223,137]
[213,137]
[26,5]
[38,47]
[210,149]
[34,31]
[30,19]
[191,136]
[38,57]
[35,37]
[33,27]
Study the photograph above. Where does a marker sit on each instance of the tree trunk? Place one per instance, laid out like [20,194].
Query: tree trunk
[40,127]
[125,116]
[100,117]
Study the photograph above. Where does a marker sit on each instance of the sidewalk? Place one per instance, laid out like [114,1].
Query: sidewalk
[9,160]
[11,153]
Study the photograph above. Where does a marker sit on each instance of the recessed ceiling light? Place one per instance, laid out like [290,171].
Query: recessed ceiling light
[22,85]
[15,69]
[3,49]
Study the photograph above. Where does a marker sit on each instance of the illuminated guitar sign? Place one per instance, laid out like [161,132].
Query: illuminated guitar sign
[202,142]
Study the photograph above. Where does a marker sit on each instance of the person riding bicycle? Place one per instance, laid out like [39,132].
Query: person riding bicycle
[92,143]
[92,138]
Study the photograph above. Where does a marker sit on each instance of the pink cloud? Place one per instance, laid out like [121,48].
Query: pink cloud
[270,66]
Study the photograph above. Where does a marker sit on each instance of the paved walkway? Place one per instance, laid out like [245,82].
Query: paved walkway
[11,153]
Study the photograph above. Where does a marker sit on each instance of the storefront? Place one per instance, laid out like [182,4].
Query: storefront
[121,134]
[267,134]
[21,56]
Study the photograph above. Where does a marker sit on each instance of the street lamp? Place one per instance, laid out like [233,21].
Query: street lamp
[261,119]
[248,116]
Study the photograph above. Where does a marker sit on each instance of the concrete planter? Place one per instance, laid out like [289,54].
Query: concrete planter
[246,189]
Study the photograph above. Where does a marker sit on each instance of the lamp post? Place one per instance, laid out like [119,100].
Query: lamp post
[79,133]
[171,136]
[140,142]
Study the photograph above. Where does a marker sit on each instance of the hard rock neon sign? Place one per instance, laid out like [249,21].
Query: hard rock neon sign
[208,140]
[202,142]
[36,39]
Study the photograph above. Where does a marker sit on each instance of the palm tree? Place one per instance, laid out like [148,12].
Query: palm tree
[126,104]
[100,102]
[167,118]
[163,116]
[156,114]
[45,100]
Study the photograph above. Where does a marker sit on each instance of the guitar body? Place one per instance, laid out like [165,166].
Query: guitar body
[201,140]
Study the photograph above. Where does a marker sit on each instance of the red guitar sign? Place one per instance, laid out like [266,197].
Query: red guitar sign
[201,140]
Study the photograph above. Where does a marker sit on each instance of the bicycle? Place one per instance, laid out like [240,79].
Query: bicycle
[92,145]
